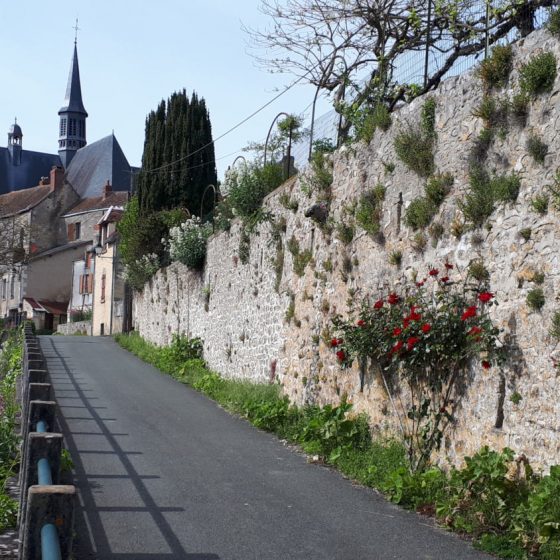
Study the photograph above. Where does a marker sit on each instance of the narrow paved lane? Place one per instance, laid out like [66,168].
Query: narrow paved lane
[164,473]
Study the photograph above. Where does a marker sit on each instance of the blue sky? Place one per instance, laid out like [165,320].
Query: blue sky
[132,54]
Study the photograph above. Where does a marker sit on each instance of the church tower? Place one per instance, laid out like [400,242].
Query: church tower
[72,130]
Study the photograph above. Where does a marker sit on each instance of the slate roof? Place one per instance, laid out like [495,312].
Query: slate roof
[73,100]
[60,249]
[99,203]
[95,164]
[34,165]
[20,201]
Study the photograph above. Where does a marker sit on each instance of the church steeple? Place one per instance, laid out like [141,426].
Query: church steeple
[72,130]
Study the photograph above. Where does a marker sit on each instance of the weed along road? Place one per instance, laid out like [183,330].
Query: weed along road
[164,473]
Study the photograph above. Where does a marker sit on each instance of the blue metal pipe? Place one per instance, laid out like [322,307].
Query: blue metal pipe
[50,545]
[41,426]
[44,473]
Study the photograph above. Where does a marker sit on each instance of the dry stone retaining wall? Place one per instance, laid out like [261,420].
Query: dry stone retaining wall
[241,316]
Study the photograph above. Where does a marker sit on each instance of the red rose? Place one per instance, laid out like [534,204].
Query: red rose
[397,331]
[411,342]
[444,280]
[486,364]
[468,313]
[361,323]
[406,322]
[433,272]
[334,342]
[419,284]
[475,330]
[341,355]
[397,347]
[393,299]
[485,297]
[378,304]
[449,266]
[426,328]
[415,316]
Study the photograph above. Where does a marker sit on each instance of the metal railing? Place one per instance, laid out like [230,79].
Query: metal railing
[46,512]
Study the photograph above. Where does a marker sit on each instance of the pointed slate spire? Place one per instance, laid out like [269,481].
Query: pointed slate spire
[73,100]
[72,129]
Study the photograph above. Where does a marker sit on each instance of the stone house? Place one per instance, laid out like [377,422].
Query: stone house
[31,228]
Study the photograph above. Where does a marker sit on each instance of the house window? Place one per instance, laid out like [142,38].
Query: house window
[86,283]
[103,278]
[77,230]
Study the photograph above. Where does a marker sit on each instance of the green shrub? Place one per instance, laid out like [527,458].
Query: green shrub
[395,258]
[288,203]
[505,188]
[525,233]
[301,260]
[419,213]
[244,248]
[438,188]
[479,150]
[478,271]
[537,148]
[539,74]
[368,119]
[419,241]
[416,150]
[345,232]
[536,299]
[519,107]
[249,185]
[538,278]
[540,204]
[368,211]
[553,24]
[555,326]
[428,117]
[495,70]
[485,192]
[492,112]
[138,272]
[187,242]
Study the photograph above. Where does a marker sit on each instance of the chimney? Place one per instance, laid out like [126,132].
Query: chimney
[57,177]
[107,189]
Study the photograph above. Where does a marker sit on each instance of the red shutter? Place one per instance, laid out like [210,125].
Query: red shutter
[90,283]
[81,283]
[71,232]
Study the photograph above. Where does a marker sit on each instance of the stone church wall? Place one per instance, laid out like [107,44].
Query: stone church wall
[242,318]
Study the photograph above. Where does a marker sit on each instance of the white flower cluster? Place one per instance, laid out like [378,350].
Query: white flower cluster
[187,242]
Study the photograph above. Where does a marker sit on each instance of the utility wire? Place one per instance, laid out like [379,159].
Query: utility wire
[166,165]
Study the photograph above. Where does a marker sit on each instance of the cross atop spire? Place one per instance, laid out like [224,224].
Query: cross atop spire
[76,29]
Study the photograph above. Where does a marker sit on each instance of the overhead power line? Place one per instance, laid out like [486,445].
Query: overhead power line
[256,112]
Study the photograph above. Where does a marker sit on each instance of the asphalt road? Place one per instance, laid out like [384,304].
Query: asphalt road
[164,473]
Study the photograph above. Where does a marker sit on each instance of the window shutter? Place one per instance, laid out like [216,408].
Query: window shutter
[81,283]
[71,232]
[90,283]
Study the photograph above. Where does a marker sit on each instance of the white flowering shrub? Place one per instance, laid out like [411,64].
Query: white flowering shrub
[187,242]
[137,273]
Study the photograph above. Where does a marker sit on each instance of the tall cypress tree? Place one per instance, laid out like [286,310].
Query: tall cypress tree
[178,129]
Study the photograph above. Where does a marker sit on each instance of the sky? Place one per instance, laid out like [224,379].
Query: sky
[132,54]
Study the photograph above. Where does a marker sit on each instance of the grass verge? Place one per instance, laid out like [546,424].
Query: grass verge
[512,516]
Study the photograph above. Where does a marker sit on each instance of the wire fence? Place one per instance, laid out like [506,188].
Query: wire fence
[415,67]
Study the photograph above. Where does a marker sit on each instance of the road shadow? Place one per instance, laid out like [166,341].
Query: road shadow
[91,540]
